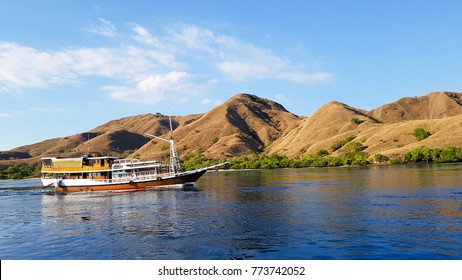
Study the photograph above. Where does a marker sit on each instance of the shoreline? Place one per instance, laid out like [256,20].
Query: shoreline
[263,169]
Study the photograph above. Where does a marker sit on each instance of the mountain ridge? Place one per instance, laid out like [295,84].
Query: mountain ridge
[246,123]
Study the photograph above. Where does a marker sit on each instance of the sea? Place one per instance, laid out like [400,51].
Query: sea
[396,212]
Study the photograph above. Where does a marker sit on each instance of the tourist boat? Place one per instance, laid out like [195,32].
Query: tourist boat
[93,172]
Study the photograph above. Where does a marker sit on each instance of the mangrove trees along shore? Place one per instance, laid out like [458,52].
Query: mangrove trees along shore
[352,154]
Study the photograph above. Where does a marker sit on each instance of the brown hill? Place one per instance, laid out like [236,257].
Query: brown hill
[397,138]
[387,130]
[331,122]
[245,123]
[435,105]
[117,137]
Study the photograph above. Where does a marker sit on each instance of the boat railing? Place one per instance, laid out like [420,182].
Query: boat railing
[134,177]
[119,163]
[129,163]
[126,160]
[74,169]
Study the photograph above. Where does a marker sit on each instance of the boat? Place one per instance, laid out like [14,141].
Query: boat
[94,172]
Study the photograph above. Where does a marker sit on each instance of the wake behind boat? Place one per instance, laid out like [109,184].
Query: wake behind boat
[93,172]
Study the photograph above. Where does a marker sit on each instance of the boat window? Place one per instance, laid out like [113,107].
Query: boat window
[47,162]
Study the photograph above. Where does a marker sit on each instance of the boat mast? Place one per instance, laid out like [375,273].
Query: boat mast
[173,155]
[88,144]
[174,163]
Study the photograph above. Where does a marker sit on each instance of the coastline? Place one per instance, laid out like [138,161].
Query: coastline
[262,169]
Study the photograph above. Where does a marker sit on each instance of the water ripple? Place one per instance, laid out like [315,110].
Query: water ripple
[278,214]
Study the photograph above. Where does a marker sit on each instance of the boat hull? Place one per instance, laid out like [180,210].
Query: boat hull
[180,179]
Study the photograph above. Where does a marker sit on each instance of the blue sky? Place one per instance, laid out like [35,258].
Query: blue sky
[69,66]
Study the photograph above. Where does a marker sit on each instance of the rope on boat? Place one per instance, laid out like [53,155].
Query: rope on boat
[47,186]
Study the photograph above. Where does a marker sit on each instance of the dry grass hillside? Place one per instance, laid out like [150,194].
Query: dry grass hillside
[435,105]
[397,138]
[331,122]
[115,138]
[247,123]
[386,130]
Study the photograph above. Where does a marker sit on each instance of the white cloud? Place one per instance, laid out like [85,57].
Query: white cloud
[242,61]
[123,62]
[281,98]
[194,38]
[52,110]
[205,101]
[306,77]
[149,67]
[104,27]
[264,69]
[243,70]
[4,115]
[142,35]
[170,81]
[22,66]
[154,89]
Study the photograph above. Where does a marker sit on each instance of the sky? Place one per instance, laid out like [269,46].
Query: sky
[69,66]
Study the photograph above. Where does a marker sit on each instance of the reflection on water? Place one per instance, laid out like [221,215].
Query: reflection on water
[393,212]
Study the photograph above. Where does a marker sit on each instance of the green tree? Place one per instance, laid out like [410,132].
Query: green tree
[340,143]
[353,153]
[360,158]
[16,172]
[420,134]
[322,153]
[396,160]
[381,158]
[356,120]
[418,155]
[448,154]
[195,161]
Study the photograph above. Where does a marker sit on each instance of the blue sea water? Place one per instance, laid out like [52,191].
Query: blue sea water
[388,212]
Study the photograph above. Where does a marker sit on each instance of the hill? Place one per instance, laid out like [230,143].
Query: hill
[331,122]
[247,123]
[244,123]
[387,129]
[116,137]
[435,105]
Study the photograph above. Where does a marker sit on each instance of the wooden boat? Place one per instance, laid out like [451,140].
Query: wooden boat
[93,172]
